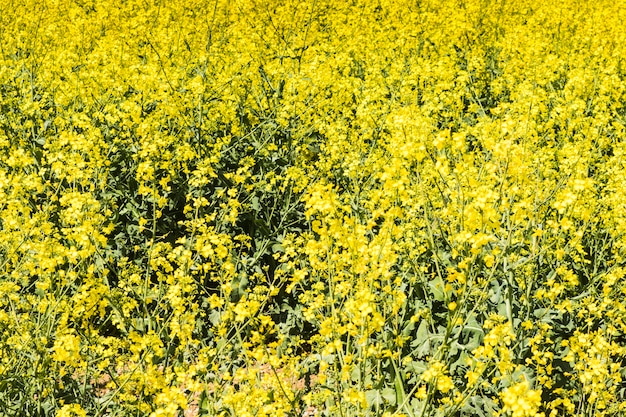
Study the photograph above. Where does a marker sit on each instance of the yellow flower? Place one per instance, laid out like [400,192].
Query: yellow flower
[71,410]
[66,349]
[521,401]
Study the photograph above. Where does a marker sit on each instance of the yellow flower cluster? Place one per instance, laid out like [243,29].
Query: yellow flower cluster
[520,401]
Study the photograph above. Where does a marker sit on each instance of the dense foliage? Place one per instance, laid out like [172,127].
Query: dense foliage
[323,208]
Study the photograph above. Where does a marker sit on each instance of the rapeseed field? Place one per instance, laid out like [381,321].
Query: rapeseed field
[324,208]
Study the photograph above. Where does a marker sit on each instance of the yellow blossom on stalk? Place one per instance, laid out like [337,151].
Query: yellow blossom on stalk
[71,410]
[521,401]
[356,397]
[437,374]
[66,349]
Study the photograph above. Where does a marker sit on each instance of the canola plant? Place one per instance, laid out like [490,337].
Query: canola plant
[361,208]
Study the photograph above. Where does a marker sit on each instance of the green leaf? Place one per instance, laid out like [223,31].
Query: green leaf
[437,288]
[254,202]
[389,395]
[374,399]
[421,343]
